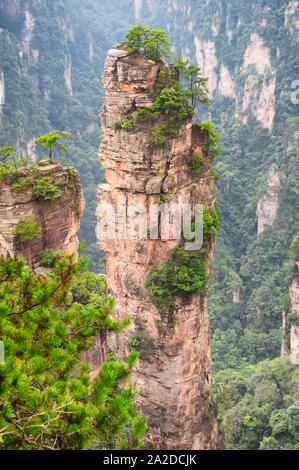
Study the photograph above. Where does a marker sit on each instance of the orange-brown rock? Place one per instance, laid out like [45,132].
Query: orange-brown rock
[173,374]
[290,337]
[59,219]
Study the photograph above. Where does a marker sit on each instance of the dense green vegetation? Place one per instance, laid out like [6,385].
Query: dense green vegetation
[185,272]
[264,406]
[27,230]
[47,399]
[51,141]
[150,42]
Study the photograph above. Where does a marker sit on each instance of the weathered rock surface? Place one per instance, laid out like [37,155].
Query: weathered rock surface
[268,205]
[290,339]
[59,219]
[173,372]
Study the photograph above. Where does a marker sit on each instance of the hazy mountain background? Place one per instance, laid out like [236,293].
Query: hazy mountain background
[51,60]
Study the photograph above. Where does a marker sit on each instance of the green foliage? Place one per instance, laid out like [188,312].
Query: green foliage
[284,426]
[8,154]
[258,261]
[260,406]
[219,404]
[171,99]
[160,134]
[213,134]
[22,184]
[28,230]
[292,318]
[127,124]
[215,174]
[162,200]
[51,141]
[150,42]
[10,164]
[48,401]
[185,272]
[22,175]
[211,222]
[43,189]
[87,284]
[292,266]
[196,85]
[196,163]
[294,249]
[143,114]
[182,275]
[285,302]
[49,257]
[71,170]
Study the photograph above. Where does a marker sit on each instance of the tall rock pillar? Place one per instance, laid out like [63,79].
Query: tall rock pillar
[173,374]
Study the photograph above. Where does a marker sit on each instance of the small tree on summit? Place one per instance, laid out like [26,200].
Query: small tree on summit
[51,141]
[197,89]
[151,42]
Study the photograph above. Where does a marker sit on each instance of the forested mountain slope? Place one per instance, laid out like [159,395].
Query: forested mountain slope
[52,57]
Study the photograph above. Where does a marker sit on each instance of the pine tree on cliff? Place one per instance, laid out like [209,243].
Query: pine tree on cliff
[50,141]
[47,399]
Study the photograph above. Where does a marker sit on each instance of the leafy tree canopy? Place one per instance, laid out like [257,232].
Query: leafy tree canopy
[51,141]
[151,42]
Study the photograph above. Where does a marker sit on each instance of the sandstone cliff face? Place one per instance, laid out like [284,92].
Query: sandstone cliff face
[268,205]
[173,372]
[59,219]
[290,339]
[294,333]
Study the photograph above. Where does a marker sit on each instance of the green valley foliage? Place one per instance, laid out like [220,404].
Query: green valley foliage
[264,406]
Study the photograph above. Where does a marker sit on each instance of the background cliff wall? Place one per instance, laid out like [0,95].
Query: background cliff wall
[173,373]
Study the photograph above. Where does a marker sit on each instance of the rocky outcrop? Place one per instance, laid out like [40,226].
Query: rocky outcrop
[268,205]
[260,84]
[173,373]
[207,60]
[58,219]
[290,324]
[294,332]
[2,91]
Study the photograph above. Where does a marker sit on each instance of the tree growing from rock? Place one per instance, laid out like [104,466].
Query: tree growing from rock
[51,141]
[151,42]
[197,89]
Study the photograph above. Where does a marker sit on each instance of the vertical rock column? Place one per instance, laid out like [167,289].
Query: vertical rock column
[58,219]
[173,373]
[290,330]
